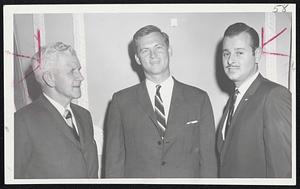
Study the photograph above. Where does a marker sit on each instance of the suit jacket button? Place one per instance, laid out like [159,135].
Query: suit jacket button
[159,142]
[163,163]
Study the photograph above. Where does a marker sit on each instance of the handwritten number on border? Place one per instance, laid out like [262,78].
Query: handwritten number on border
[280,8]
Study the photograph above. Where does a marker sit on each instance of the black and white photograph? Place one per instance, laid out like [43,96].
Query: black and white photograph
[150,94]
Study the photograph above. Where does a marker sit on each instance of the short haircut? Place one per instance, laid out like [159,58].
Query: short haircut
[147,30]
[47,56]
[238,28]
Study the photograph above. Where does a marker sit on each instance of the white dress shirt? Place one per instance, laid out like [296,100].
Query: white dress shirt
[165,93]
[242,90]
[62,109]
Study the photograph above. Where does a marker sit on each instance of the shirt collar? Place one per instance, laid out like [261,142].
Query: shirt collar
[168,82]
[244,87]
[58,106]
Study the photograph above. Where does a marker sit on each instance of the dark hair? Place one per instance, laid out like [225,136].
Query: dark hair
[147,30]
[237,28]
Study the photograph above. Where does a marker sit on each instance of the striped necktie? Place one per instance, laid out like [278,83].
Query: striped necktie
[231,109]
[69,120]
[160,112]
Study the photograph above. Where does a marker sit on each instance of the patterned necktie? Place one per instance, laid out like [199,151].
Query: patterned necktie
[231,110]
[69,119]
[160,112]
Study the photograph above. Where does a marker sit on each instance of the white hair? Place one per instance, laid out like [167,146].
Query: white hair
[45,59]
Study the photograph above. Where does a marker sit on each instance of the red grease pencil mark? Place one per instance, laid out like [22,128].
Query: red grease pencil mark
[278,54]
[25,76]
[263,44]
[20,55]
[39,46]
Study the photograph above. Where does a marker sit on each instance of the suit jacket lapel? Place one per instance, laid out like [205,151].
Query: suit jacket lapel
[220,140]
[79,123]
[177,113]
[145,102]
[251,90]
[59,123]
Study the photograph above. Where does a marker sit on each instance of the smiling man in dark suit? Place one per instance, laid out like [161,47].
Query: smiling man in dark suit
[161,127]
[254,137]
[54,137]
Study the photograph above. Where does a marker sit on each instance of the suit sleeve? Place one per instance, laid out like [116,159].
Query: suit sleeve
[115,149]
[277,133]
[208,160]
[22,147]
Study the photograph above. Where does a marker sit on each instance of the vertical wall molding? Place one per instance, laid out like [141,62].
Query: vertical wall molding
[22,84]
[79,46]
[269,32]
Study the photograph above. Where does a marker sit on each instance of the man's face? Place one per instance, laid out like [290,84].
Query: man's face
[239,61]
[67,77]
[153,55]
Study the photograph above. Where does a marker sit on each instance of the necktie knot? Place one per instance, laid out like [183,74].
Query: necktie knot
[68,114]
[158,88]
[158,93]
[234,95]
[236,92]
[69,121]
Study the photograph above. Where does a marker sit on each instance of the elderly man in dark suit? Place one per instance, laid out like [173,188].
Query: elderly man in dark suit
[254,137]
[54,137]
[161,127]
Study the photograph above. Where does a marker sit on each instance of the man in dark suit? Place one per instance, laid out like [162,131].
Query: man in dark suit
[54,137]
[254,136]
[161,127]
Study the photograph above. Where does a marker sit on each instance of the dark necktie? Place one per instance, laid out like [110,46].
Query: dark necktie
[231,110]
[160,112]
[69,119]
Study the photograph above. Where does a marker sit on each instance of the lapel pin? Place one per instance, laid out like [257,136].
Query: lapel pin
[246,99]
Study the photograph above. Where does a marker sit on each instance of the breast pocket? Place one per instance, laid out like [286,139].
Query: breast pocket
[191,136]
